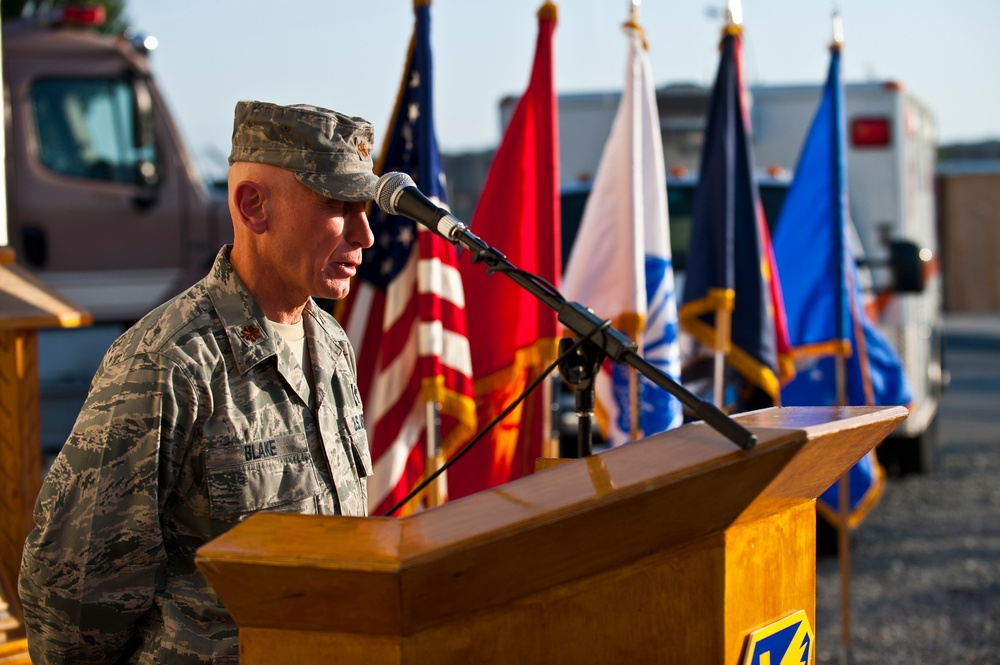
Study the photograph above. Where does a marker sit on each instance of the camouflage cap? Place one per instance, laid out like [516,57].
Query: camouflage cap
[329,152]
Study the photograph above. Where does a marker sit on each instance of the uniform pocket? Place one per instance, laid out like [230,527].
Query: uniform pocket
[262,475]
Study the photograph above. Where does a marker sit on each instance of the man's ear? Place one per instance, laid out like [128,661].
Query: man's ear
[251,205]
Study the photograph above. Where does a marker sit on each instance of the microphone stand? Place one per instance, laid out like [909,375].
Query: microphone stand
[580,368]
[604,341]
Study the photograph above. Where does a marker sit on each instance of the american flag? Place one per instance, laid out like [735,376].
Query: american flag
[406,312]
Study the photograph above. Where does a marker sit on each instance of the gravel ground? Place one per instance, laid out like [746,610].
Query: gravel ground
[925,579]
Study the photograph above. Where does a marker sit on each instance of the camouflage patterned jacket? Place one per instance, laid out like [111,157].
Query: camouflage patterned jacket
[197,418]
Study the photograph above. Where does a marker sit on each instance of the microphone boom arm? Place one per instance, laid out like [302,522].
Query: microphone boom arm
[582,321]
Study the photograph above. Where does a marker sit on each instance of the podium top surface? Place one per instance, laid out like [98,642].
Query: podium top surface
[27,302]
[562,523]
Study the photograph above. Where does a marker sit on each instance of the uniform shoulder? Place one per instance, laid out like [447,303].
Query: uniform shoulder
[168,326]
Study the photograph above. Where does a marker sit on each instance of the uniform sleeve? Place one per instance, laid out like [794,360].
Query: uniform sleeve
[94,560]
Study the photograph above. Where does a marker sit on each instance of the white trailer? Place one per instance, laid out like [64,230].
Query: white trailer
[891,151]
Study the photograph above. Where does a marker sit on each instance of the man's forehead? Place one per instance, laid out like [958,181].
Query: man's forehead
[329,201]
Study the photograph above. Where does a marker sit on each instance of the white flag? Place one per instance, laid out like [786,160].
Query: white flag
[620,265]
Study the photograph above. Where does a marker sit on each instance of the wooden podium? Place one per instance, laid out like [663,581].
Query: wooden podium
[671,550]
[26,305]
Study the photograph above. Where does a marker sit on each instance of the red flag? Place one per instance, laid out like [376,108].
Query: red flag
[405,315]
[513,335]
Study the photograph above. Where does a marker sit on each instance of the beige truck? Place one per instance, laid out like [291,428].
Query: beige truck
[105,203]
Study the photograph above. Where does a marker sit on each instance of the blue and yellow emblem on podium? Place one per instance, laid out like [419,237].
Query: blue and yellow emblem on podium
[788,641]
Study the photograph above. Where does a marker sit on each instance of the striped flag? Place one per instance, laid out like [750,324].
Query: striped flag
[513,334]
[625,228]
[405,315]
[826,317]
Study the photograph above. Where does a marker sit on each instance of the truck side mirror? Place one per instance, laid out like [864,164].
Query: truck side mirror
[144,140]
[35,243]
[908,262]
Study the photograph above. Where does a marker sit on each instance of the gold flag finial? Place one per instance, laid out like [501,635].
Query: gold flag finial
[633,22]
[734,18]
[548,12]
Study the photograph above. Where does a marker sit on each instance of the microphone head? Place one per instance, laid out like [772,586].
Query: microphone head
[388,188]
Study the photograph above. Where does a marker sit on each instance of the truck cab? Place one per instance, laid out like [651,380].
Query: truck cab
[104,202]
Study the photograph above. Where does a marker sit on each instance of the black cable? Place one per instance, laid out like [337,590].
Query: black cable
[580,341]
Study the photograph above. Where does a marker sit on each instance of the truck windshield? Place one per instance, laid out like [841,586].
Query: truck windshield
[680,204]
[86,129]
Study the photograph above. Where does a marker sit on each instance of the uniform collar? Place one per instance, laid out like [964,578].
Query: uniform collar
[250,336]
[250,333]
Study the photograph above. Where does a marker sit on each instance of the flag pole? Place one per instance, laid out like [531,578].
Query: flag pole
[436,492]
[723,305]
[723,328]
[634,402]
[843,530]
[844,484]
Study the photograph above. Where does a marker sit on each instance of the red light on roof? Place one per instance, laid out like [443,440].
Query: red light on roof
[678,171]
[82,15]
[870,132]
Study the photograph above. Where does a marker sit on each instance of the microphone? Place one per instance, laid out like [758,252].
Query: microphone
[397,194]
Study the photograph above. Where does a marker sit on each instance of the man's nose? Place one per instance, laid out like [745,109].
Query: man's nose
[359,233]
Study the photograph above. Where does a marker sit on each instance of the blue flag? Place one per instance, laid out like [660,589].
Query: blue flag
[823,297]
[729,260]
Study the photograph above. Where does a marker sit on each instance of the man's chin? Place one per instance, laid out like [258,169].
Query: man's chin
[334,291]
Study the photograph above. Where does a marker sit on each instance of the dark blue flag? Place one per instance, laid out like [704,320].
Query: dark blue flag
[729,260]
[823,300]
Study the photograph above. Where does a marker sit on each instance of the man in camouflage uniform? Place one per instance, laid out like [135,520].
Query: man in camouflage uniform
[237,396]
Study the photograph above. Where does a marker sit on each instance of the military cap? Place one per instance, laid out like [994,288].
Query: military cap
[329,152]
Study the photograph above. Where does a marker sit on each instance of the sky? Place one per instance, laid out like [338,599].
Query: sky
[348,55]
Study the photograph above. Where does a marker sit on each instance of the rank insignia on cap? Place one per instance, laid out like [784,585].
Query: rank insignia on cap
[362,148]
[251,333]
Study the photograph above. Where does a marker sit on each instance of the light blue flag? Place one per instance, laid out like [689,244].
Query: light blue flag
[823,300]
